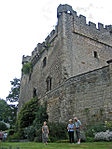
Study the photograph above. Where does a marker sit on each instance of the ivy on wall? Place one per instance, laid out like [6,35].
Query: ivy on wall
[27,68]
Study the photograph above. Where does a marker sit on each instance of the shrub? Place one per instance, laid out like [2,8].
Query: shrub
[108,125]
[58,131]
[97,131]
[103,136]
[27,68]
[14,137]
[29,133]
[41,116]
[26,116]
[38,133]
[30,119]
[27,113]
[3,126]
[33,133]
[91,130]
[90,139]
[10,132]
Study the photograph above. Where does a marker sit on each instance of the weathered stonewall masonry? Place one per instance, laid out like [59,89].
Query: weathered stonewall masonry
[72,70]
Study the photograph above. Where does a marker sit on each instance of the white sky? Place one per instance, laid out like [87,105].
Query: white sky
[25,23]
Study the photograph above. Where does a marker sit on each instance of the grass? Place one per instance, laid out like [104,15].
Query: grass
[32,145]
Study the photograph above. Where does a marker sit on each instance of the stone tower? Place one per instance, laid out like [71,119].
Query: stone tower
[74,48]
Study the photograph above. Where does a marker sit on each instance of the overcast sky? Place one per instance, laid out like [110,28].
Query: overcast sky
[25,23]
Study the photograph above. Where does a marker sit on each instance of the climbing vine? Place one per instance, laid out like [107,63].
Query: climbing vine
[27,68]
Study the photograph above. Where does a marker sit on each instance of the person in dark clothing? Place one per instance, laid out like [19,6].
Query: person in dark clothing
[71,128]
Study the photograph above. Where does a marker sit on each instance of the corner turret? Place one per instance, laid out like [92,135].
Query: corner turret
[64,8]
[25,59]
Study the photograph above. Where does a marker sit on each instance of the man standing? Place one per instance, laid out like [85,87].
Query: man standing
[77,127]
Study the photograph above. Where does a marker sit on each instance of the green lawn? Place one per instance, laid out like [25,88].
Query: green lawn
[29,145]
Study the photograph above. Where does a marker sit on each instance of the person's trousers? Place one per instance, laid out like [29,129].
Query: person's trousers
[78,133]
[71,136]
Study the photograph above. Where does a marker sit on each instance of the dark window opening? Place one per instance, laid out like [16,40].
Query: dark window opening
[34,92]
[30,76]
[44,62]
[95,54]
[49,83]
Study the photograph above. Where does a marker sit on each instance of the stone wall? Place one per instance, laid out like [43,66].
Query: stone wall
[87,96]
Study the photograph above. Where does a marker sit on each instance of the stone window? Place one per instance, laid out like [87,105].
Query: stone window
[49,83]
[95,54]
[44,61]
[34,92]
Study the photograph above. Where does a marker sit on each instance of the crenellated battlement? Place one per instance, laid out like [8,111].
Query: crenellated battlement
[52,35]
[101,34]
[81,19]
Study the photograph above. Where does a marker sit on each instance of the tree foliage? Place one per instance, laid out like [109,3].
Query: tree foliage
[30,118]
[41,116]
[58,131]
[14,114]
[5,111]
[27,113]
[3,126]
[13,97]
[15,89]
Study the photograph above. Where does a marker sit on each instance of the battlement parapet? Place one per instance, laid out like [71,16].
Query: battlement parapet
[109,28]
[51,36]
[37,52]
[26,59]
[41,47]
[101,34]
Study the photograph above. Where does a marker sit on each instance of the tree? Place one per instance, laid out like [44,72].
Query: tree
[5,111]
[13,97]
[27,113]
[13,114]
[15,89]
